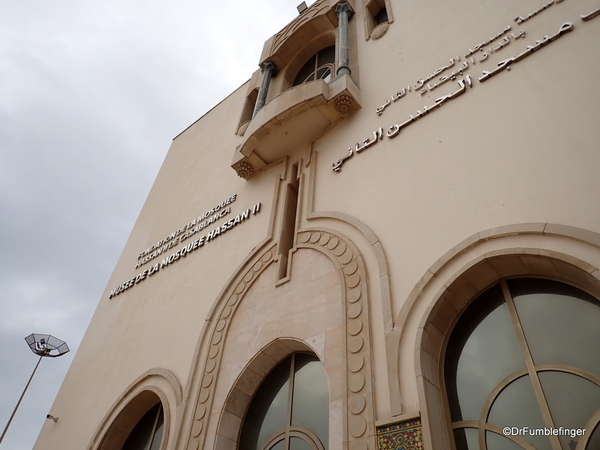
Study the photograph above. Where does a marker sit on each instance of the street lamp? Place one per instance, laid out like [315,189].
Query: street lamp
[42,345]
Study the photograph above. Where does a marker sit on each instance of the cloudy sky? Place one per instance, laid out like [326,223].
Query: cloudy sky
[91,94]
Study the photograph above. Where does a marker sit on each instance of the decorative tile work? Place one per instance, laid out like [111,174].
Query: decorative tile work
[401,436]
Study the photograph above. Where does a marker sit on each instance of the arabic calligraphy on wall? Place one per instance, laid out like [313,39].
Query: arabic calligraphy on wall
[464,82]
[423,89]
[394,130]
[506,40]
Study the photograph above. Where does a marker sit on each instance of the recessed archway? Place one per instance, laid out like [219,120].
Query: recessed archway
[460,291]
[247,384]
[156,386]
[127,419]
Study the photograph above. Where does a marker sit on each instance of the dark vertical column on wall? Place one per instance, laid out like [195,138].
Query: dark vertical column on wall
[268,70]
[343,13]
[288,222]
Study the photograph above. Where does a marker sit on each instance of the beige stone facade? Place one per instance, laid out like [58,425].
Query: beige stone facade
[355,218]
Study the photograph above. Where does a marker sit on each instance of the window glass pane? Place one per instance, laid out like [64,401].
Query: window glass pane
[381,16]
[323,73]
[310,406]
[268,410]
[306,71]
[517,406]
[482,351]
[572,400]
[279,446]
[561,323]
[158,432]
[498,442]
[466,439]
[594,442]
[299,444]
[326,56]
[139,438]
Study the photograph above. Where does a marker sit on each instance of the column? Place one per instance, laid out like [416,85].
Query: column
[343,13]
[268,70]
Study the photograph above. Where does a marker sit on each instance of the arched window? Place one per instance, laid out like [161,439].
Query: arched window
[381,16]
[147,434]
[525,357]
[319,67]
[290,409]
[377,18]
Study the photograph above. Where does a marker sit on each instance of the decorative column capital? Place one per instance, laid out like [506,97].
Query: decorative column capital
[270,67]
[343,8]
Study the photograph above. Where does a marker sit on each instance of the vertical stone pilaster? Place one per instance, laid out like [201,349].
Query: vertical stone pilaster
[360,426]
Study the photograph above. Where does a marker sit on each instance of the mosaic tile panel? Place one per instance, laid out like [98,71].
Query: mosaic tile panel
[401,436]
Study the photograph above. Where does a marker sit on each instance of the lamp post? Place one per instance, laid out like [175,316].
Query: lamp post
[42,345]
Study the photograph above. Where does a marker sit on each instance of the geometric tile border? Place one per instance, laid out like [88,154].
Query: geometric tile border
[401,436]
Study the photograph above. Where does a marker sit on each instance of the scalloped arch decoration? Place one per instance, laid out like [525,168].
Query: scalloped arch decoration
[155,385]
[359,427]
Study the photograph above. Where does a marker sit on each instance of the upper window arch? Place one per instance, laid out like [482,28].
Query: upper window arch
[320,67]
[148,432]
[137,422]
[524,354]
[290,409]
[305,66]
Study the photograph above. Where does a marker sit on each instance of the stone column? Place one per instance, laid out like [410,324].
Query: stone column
[268,70]
[343,13]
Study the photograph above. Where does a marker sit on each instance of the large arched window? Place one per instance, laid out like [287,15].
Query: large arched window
[522,359]
[319,67]
[147,434]
[290,409]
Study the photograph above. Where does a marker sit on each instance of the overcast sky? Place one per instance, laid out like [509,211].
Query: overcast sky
[91,95]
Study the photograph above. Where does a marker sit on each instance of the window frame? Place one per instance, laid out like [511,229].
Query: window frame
[317,66]
[289,431]
[158,416]
[531,370]
[374,30]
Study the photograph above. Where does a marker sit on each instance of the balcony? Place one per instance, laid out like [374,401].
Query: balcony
[292,119]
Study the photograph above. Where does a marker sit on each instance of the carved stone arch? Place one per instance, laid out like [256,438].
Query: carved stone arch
[356,347]
[344,254]
[283,46]
[210,350]
[303,55]
[549,232]
[481,270]
[249,380]
[154,386]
